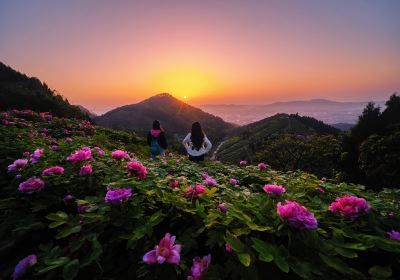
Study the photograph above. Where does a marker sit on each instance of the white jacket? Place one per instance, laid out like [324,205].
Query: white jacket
[191,150]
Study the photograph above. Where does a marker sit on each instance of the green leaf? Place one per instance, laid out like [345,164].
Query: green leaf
[346,253]
[380,272]
[70,270]
[68,231]
[56,224]
[59,216]
[281,263]
[244,258]
[263,249]
[340,266]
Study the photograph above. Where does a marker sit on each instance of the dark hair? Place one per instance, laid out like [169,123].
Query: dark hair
[197,135]
[157,125]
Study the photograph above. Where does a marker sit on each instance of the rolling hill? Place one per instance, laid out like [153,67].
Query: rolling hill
[251,139]
[176,118]
[18,91]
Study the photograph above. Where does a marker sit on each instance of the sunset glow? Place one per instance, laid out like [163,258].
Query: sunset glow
[104,54]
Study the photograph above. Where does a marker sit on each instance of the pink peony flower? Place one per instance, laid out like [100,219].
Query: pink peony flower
[17,165]
[55,170]
[321,189]
[99,151]
[119,154]
[165,251]
[23,266]
[174,184]
[274,190]
[296,215]
[137,169]
[394,235]
[31,185]
[37,154]
[242,162]
[222,207]
[350,206]
[80,155]
[68,140]
[210,182]
[26,154]
[68,198]
[228,248]
[199,267]
[86,170]
[233,181]
[262,166]
[194,192]
[204,175]
[118,196]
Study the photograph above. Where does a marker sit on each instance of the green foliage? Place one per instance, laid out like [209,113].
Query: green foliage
[17,91]
[108,241]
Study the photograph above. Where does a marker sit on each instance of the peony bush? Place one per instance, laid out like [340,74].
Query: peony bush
[91,209]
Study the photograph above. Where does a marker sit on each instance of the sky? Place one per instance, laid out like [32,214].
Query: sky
[104,54]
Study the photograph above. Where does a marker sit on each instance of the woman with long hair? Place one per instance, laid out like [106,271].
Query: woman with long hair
[156,140]
[196,143]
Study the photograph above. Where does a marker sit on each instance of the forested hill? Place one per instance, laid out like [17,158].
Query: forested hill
[18,91]
[253,138]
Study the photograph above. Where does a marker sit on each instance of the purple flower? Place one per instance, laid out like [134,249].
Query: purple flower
[350,206]
[204,175]
[165,251]
[100,152]
[233,181]
[81,208]
[55,170]
[23,266]
[118,196]
[274,190]
[54,148]
[262,166]
[68,198]
[86,170]
[394,235]
[210,182]
[26,154]
[37,154]
[199,267]
[242,162]
[18,164]
[31,185]
[222,207]
[296,215]
[228,248]
[68,140]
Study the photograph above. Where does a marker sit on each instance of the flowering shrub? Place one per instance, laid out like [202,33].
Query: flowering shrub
[86,170]
[350,206]
[79,229]
[17,165]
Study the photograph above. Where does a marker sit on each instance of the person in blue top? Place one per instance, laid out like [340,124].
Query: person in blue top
[156,140]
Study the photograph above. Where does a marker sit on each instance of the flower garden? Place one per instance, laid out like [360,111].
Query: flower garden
[83,202]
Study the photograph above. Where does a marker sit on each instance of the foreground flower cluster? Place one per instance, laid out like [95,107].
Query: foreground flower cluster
[89,208]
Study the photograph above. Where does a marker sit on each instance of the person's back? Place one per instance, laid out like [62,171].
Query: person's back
[196,143]
[156,140]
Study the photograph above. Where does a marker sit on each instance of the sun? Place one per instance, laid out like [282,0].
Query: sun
[185,82]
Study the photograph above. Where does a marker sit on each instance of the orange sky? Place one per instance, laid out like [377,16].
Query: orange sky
[104,54]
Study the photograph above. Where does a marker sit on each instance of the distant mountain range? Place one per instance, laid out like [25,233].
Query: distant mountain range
[18,91]
[331,112]
[250,139]
[176,117]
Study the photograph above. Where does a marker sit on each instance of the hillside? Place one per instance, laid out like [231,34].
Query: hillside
[99,216]
[251,138]
[176,118]
[18,91]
